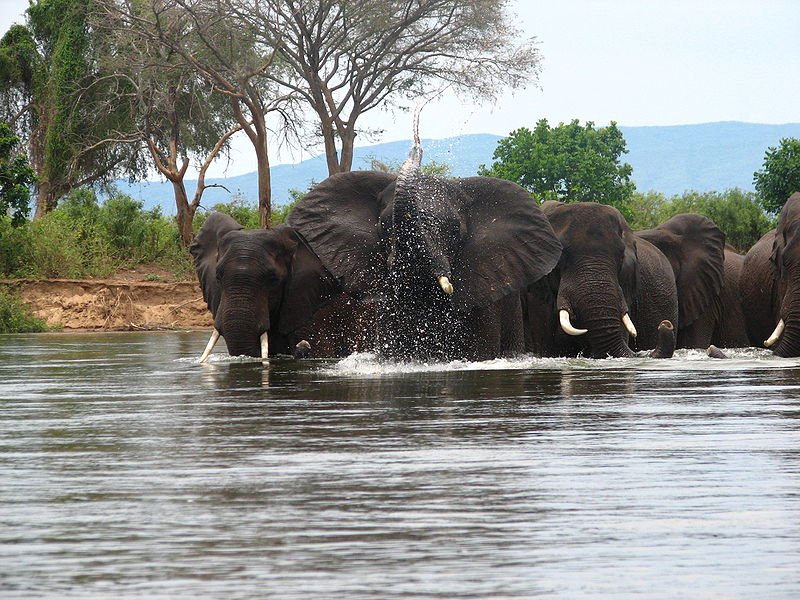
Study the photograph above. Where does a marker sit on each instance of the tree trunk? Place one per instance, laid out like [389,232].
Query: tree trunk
[328,137]
[348,139]
[264,186]
[46,199]
[185,212]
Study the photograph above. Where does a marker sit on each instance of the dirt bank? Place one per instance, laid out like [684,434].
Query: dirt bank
[123,302]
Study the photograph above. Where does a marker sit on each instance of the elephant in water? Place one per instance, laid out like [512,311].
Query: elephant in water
[707,273]
[770,285]
[612,293]
[270,294]
[445,258]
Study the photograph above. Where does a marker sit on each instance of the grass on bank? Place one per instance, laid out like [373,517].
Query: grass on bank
[15,317]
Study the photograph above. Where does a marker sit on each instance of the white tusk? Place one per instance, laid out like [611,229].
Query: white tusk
[626,320]
[446,286]
[563,317]
[210,345]
[264,346]
[775,334]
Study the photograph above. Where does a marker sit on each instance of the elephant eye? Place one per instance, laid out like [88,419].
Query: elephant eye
[271,278]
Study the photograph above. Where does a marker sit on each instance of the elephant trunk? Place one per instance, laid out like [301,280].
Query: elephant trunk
[242,325]
[594,302]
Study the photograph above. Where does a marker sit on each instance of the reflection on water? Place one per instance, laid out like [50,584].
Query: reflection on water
[129,470]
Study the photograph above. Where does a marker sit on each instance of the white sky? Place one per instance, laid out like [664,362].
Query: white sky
[637,62]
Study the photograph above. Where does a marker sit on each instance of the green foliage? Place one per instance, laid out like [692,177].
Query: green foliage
[245,213]
[432,167]
[736,212]
[571,163]
[16,178]
[779,177]
[15,317]
[84,237]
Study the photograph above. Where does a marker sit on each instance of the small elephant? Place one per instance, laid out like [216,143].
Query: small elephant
[446,258]
[607,279]
[270,294]
[707,274]
[770,285]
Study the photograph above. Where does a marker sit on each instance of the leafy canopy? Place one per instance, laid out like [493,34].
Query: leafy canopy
[736,212]
[779,177]
[571,163]
[16,178]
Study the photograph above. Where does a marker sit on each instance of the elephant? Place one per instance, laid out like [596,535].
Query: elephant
[606,280]
[707,274]
[445,259]
[270,294]
[770,285]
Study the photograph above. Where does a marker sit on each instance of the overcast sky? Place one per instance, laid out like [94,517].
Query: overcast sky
[637,62]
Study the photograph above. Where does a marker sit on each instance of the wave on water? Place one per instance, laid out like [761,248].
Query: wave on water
[369,364]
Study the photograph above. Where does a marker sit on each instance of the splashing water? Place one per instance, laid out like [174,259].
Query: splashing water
[366,364]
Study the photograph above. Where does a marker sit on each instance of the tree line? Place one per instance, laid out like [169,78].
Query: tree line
[97,90]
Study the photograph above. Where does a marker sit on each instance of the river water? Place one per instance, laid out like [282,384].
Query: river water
[129,470]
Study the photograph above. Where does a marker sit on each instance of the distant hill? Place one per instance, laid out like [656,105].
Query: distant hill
[668,159]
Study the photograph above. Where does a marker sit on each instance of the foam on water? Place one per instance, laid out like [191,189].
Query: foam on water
[370,364]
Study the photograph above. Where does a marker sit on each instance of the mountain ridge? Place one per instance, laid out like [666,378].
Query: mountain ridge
[666,158]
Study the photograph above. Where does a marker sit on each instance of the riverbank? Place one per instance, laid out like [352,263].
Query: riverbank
[124,302]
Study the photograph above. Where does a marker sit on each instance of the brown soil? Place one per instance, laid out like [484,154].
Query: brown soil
[128,300]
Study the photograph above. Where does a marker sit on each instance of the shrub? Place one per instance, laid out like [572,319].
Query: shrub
[15,317]
[736,212]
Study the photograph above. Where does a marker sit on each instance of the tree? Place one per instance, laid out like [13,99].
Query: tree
[736,212]
[16,178]
[212,38]
[51,90]
[779,177]
[572,163]
[176,115]
[346,58]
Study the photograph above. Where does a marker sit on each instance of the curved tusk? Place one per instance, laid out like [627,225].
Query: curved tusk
[566,325]
[264,346]
[447,287]
[775,334]
[210,345]
[626,320]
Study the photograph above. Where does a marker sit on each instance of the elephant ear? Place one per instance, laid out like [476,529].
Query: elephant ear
[340,220]
[205,251]
[787,232]
[509,243]
[629,272]
[310,284]
[695,248]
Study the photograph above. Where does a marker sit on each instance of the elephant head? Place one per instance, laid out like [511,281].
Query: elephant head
[695,248]
[438,251]
[597,277]
[782,280]
[260,285]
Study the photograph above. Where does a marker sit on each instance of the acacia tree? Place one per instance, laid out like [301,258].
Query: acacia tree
[572,163]
[52,90]
[177,117]
[209,37]
[346,58]
[779,177]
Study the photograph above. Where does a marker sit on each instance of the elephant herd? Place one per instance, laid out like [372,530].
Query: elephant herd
[415,267]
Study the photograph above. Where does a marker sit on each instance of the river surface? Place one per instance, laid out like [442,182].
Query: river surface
[129,470]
